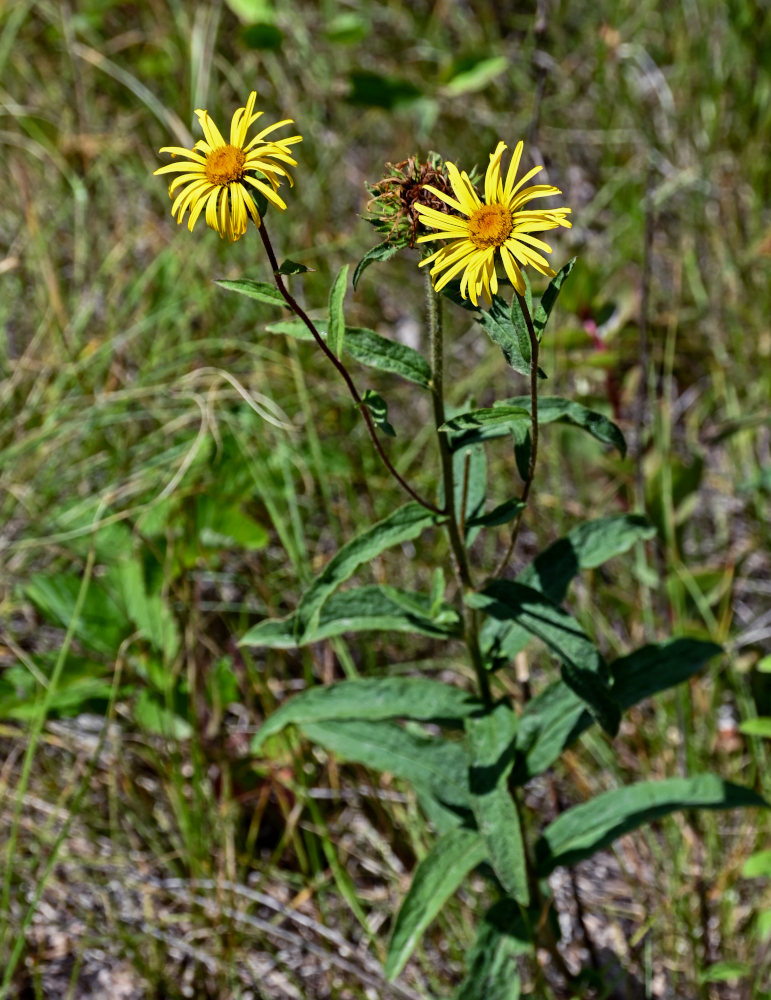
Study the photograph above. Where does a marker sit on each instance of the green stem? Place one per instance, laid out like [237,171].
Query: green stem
[302,315]
[534,349]
[460,555]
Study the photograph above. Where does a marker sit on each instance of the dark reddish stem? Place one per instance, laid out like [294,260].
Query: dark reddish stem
[298,310]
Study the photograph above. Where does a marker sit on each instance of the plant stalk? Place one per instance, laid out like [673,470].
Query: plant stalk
[457,544]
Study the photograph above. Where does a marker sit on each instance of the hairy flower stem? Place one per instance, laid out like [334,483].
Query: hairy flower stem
[297,309]
[534,348]
[457,544]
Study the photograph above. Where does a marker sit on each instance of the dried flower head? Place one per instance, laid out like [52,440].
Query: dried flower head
[392,208]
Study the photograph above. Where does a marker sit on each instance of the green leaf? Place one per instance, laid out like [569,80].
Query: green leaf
[757,865]
[483,425]
[373,90]
[470,467]
[556,717]
[103,624]
[265,36]
[549,297]
[587,546]
[499,327]
[336,323]
[370,699]
[373,608]
[378,407]
[566,411]
[587,828]
[437,765]
[723,972]
[383,251]
[153,715]
[501,514]
[436,878]
[491,739]
[474,73]
[369,348]
[258,290]
[757,727]
[583,668]
[492,960]
[519,322]
[292,267]
[403,525]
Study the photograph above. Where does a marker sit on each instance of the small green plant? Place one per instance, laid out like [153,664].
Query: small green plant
[467,753]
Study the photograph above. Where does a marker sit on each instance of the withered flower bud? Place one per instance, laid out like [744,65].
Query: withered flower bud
[391,208]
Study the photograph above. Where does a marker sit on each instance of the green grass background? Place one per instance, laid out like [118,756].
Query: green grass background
[174,472]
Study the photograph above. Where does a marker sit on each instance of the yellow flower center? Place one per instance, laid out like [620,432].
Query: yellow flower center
[490,226]
[225,164]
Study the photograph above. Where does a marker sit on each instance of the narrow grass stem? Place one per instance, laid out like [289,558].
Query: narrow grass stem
[534,349]
[338,364]
[460,555]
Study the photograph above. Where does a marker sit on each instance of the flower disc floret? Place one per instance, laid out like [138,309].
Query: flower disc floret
[496,226]
[219,178]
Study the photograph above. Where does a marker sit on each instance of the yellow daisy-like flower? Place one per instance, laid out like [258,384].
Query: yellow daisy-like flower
[218,174]
[499,224]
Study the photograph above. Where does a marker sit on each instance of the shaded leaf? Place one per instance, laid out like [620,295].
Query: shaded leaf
[373,90]
[491,740]
[336,321]
[370,699]
[587,828]
[492,959]
[555,408]
[436,878]
[501,514]
[382,252]
[583,668]
[378,407]
[549,297]
[497,324]
[403,525]
[292,267]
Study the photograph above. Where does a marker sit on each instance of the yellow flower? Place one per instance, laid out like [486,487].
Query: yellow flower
[499,223]
[219,172]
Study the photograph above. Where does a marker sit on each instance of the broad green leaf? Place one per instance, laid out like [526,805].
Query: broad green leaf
[438,765]
[757,865]
[501,514]
[587,828]
[491,740]
[556,717]
[402,525]
[757,727]
[436,878]
[588,545]
[497,324]
[103,624]
[566,411]
[519,322]
[378,407]
[474,73]
[583,668]
[383,251]
[370,699]
[152,713]
[492,959]
[549,297]
[374,608]
[258,290]
[482,425]
[369,348]
[336,322]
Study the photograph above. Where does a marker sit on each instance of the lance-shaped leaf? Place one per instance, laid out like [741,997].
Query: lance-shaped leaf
[438,765]
[367,347]
[378,409]
[374,608]
[336,321]
[583,668]
[485,424]
[383,251]
[549,297]
[258,290]
[491,740]
[566,411]
[436,878]
[587,828]
[499,327]
[501,514]
[588,545]
[371,699]
[403,525]
[492,959]
[556,717]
